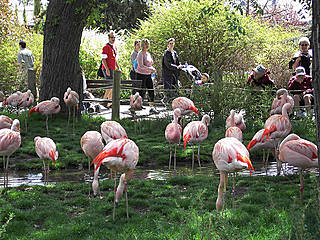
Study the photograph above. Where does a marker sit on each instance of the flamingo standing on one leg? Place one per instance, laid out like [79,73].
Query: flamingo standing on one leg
[135,105]
[10,141]
[112,130]
[27,100]
[173,135]
[282,98]
[47,108]
[233,130]
[196,132]
[229,156]
[276,127]
[5,122]
[237,119]
[46,149]
[71,99]
[120,155]
[92,144]
[299,153]
[264,143]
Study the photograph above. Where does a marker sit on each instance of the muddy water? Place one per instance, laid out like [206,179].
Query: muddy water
[17,178]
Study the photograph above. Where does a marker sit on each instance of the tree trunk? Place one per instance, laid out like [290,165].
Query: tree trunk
[316,65]
[62,38]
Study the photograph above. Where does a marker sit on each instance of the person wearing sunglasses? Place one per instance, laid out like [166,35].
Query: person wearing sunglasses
[303,57]
[109,62]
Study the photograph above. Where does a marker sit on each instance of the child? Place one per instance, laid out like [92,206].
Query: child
[204,79]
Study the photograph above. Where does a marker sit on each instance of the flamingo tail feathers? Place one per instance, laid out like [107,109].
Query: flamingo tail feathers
[245,160]
[186,139]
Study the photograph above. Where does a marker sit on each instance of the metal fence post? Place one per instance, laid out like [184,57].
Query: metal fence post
[116,95]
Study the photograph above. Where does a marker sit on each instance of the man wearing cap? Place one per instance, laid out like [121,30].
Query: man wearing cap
[301,86]
[260,77]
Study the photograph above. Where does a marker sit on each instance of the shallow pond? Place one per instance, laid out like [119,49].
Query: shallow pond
[17,178]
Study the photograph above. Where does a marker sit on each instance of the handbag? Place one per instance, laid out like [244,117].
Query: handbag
[100,73]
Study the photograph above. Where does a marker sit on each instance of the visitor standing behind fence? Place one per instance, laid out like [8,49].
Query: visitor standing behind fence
[170,71]
[133,59]
[303,90]
[303,57]
[26,63]
[144,71]
[259,78]
[109,62]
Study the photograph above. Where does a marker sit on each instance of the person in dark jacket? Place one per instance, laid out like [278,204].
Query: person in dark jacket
[301,86]
[260,78]
[303,57]
[170,70]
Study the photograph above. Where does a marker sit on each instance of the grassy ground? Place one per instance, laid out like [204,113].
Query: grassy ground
[181,207]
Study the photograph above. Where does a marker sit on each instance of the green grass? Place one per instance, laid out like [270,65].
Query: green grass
[181,207]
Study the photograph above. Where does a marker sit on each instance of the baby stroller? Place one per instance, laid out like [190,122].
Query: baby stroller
[193,73]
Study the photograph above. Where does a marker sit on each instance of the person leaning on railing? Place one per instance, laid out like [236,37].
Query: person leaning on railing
[301,87]
[259,78]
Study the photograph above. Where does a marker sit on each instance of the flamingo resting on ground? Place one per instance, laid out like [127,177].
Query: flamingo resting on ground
[237,119]
[196,132]
[5,122]
[233,130]
[10,141]
[26,101]
[71,99]
[120,155]
[300,153]
[282,98]
[135,105]
[13,100]
[173,135]
[92,144]
[112,130]
[47,108]
[277,127]
[229,156]
[46,149]
[264,143]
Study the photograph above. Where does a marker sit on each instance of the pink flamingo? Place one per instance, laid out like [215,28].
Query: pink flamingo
[71,99]
[259,142]
[120,155]
[47,108]
[196,132]
[238,119]
[27,100]
[10,141]
[112,130]
[5,122]
[13,100]
[299,153]
[276,127]
[173,135]
[185,104]
[281,99]
[233,130]
[229,156]
[92,144]
[135,105]
[46,149]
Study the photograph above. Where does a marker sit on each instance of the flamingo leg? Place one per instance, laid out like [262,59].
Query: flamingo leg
[25,121]
[233,189]
[89,176]
[135,122]
[301,186]
[175,156]
[127,204]
[115,204]
[69,116]
[45,172]
[7,172]
[73,119]
[4,172]
[47,125]
[199,156]
[192,157]
[170,155]
[222,191]
[225,189]
[279,164]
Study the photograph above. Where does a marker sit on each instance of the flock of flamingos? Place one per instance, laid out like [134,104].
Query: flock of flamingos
[121,154]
